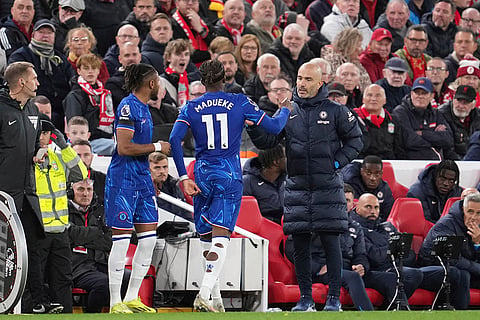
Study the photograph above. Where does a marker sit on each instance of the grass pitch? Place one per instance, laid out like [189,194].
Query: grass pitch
[347,315]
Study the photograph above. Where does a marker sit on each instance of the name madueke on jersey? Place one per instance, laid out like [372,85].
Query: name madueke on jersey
[214,103]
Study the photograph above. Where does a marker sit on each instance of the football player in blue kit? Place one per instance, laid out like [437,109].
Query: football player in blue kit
[129,194]
[216,120]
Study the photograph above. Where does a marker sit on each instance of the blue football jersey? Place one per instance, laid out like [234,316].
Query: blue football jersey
[132,172]
[217,120]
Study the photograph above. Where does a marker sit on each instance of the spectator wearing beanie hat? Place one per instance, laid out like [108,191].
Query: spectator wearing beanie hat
[468,74]
[377,53]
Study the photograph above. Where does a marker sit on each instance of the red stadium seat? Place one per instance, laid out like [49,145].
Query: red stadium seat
[407,216]
[398,190]
[448,205]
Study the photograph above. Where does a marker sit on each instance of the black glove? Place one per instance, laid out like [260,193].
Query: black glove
[59,139]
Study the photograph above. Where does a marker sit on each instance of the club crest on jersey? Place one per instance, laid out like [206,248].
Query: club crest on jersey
[351,117]
[125,111]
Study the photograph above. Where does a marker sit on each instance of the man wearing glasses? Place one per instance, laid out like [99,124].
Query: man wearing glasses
[428,135]
[416,42]
[438,73]
[279,89]
[463,118]
[126,33]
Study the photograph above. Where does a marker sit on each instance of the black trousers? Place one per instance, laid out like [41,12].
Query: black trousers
[50,262]
[96,284]
[303,261]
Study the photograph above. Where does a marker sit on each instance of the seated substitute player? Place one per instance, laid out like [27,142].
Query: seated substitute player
[129,194]
[217,120]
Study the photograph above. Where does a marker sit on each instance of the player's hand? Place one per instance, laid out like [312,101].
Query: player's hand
[249,122]
[358,268]
[165,147]
[190,187]
[286,104]
[441,127]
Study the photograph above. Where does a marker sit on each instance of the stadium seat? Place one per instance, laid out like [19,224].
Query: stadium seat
[448,204]
[407,216]
[148,283]
[398,190]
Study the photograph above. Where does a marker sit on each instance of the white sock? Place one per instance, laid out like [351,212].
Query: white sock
[206,245]
[141,262]
[214,268]
[116,264]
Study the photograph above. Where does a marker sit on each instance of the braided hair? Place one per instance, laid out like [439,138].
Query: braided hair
[448,165]
[212,72]
[137,74]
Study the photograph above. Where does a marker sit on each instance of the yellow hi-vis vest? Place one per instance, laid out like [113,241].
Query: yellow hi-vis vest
[51,184]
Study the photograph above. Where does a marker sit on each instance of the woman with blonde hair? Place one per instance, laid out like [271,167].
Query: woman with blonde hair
[81,41]
[347,47]
[247,53]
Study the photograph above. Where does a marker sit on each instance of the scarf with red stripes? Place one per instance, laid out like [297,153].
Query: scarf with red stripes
[193,37]
[101,98]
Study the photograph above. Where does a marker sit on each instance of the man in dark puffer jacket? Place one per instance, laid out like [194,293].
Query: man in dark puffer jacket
[434,186]
[321,138]
[462,220]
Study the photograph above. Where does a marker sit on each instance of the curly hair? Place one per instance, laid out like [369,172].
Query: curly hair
[212,72]
[136,75]
[346,42]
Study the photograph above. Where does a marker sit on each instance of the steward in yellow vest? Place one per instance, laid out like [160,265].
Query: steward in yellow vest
[51,257]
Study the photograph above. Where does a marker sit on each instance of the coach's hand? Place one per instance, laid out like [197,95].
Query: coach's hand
[190,187]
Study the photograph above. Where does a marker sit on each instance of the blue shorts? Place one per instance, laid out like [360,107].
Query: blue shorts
[219,202]
[125,207]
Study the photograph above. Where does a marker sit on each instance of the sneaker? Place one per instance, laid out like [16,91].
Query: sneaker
[202,305]
[333,304]
[137,306]
[304,305]
[52,307]
[120,308]
[217,304]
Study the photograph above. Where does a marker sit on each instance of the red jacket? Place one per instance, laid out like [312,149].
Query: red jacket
[373,63]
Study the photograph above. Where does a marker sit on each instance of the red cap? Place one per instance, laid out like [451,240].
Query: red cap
[380,34]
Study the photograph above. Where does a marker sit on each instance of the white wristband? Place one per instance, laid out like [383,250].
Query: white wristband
[184,177]
[158,146]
